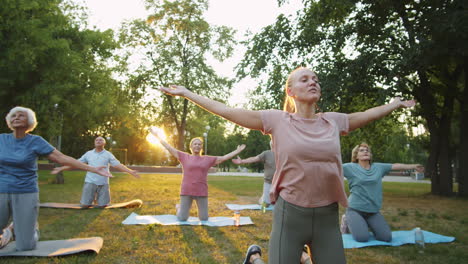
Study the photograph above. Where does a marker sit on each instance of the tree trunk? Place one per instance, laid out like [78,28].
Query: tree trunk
[59,179]
[432,162]
[427,103]
[182,127]
[445,168]
[463,157]
[444,160]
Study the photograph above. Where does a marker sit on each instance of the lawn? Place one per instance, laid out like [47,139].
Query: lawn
[406,205]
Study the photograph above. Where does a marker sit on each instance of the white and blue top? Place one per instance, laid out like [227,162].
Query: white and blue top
[18,162]
[96,159]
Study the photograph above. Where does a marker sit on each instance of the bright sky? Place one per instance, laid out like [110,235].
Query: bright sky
[241,15]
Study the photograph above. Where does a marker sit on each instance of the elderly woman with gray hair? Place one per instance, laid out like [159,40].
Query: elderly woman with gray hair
[19,191]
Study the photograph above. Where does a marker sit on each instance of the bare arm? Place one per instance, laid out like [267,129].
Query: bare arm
[174,152]
[360,119]
[399,166]
[246,118]
[247,160]
[230,155]
[59,157]
[124,168]
[57,170]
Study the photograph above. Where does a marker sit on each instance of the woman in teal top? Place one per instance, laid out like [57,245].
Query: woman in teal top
[365,200]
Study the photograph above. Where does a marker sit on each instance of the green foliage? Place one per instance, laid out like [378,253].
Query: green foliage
[175,40]
[50,63]
[373,49]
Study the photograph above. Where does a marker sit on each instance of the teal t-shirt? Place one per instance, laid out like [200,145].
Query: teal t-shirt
[18,162]
[365,185]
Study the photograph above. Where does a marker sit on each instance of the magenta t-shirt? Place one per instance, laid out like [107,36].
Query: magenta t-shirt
[195,172]
[308,157]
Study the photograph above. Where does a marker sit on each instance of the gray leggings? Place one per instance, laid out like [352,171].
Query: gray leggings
[294,226]
[24,209]
[360,222]
[186,203]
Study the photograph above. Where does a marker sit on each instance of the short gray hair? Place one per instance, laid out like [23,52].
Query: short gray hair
[32,121]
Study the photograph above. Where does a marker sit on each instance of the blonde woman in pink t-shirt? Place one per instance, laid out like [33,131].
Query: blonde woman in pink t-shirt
[195,172]
[308,182]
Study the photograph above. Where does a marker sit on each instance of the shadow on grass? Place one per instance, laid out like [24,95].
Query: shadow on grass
[210,244]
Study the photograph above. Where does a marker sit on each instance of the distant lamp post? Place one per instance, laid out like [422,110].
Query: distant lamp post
[59,136]
[59,179]
[113,143]
[206,138]
[187,134]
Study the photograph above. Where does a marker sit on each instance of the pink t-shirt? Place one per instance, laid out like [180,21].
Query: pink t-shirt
[308,157]
[195,171]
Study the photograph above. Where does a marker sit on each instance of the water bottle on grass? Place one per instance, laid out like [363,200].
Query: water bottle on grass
[237,218]
[419,239]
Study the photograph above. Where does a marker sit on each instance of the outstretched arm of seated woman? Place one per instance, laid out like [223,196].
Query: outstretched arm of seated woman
[246,118]
[245,161]
[399,166]
[228,156]
[59,157]
[360,119]
[174,152]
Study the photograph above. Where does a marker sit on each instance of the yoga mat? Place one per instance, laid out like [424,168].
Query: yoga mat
[238,207]
[134,203]
[135,219]
[52,248]
[398,238]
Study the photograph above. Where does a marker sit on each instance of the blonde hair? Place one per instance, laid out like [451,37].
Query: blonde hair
[32,121]
[289,104]
[196,138]
[356,150]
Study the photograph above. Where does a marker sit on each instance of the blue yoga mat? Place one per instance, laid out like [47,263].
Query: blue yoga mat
[398,238]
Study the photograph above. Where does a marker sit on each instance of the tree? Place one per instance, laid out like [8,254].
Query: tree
[380,49]
[176,41]
[52,64]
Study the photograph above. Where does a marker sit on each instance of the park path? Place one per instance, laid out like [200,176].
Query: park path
[385,179]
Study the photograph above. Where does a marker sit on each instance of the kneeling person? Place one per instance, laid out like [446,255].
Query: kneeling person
[96,187]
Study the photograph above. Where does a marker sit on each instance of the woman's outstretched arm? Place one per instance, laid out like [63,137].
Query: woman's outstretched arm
[174,152]
[360,119]
[228,156]
[400,166]
[246,118]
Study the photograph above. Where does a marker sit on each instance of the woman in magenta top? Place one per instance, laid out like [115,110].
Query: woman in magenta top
[195,172]
[308,182]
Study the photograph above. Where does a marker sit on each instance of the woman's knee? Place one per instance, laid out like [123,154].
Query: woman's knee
[386,237]
[360,236]
[182,217]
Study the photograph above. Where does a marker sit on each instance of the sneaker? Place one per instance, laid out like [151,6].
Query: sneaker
[344,225]
[308,259]
[253,249]
[306,249]
[6,237]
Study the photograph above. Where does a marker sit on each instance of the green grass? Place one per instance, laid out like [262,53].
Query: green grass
[406,205]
